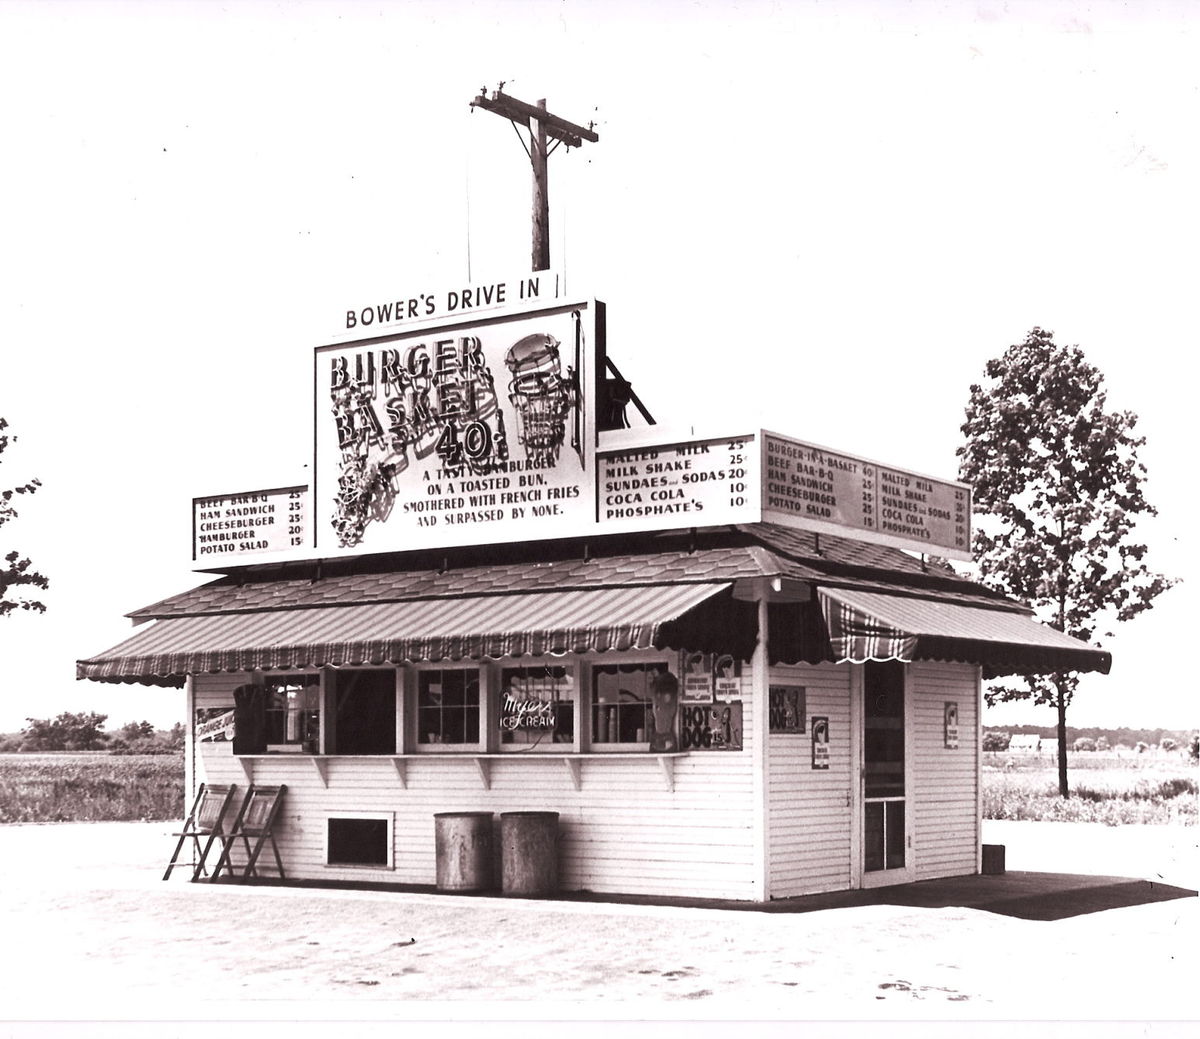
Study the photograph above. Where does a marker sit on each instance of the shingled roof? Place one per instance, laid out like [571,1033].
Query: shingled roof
[672,590]
[723,554]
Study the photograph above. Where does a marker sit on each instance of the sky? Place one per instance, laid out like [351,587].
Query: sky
[821,219]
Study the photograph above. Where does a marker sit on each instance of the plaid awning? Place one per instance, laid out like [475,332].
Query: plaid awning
[471,627]
[873,626]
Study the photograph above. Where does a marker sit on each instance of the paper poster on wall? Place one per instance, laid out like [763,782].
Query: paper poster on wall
[786,709]
[664,710]
[951,725]
[214,724]
[820,742]
[697,678]
[716,726]
[728,677]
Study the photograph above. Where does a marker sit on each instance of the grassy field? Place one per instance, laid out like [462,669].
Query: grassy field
[1105,788]
[90,787]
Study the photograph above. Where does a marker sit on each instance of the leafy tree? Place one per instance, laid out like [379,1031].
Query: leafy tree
[1167,745]
[67,732]
[15,573]
[176,735]
[136,730]
[996,741]
[143,738]
[1058,490]
[1084,743]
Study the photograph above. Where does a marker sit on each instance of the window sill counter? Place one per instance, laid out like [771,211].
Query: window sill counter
[572,762]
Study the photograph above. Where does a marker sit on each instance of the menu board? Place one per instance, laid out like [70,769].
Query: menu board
[465,457]
[818,489]
[701,483]
[228,527]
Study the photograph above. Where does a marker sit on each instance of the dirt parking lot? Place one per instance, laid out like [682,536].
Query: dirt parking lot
[85,902]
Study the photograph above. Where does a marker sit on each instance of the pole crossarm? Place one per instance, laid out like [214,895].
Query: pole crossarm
[570,134]
[542,127]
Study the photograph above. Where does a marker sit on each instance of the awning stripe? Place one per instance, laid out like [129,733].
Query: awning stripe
[858,636]
[873,626]
[579,621]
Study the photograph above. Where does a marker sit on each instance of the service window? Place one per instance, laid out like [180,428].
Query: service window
[537,708]
[364,711]
[620,705]
[291,714]
[448,707]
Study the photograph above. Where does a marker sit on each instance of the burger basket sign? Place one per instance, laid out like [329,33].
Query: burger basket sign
[465,432]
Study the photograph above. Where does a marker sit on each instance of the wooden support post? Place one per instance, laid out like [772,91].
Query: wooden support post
[543,126]
[573,769]
[760,697]
[484,766]
[541,191]
[190,784]
[667,765]
[401,766]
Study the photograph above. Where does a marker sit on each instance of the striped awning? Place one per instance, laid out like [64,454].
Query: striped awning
[873,626]
[535,623]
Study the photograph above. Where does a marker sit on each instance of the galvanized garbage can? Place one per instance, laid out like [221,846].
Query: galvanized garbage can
[463,842]
[529,853]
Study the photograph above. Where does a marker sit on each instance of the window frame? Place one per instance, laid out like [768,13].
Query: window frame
[595,664]
[269,679]
[574,666]
[388,817]
[412,680]
[330,739]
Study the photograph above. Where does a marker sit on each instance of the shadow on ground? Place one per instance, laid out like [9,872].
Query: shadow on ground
[1025,896]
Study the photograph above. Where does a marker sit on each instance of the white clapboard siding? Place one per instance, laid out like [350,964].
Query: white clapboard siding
[212,692]
[946,824]
[623,830]
[216,690]
[808,828]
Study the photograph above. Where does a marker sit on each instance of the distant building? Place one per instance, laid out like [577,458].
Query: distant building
[1020,744]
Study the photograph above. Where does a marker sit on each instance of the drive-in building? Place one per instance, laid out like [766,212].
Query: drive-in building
[734,666]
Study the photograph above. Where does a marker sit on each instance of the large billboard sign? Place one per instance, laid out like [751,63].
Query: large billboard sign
[471,431]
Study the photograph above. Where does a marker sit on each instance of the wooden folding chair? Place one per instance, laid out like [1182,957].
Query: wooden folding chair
[255,821]
[205,820]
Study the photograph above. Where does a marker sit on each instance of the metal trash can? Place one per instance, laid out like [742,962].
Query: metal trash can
[463,842]
[529,853]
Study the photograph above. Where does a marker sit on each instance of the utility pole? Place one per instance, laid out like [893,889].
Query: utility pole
[542,126]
